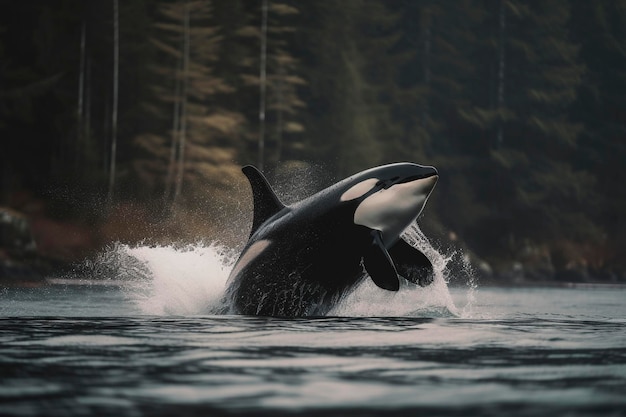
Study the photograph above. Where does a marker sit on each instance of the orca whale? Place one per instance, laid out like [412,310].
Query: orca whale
[301,259]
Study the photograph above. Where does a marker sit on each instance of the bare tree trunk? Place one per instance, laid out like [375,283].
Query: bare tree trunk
[501,73]
[280,85]
[87,124]
[262,84]
[81,95]
[116,56]
[106,132]
[171,167]
[426,67]
[183,111]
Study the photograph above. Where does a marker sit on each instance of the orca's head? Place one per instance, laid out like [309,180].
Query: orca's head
[391,197]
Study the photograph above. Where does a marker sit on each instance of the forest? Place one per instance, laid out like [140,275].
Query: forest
[128,121]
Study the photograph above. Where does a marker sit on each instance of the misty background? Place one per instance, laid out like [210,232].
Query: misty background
[128,121]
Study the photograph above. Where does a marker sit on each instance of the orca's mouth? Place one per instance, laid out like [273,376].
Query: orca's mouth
[385,184]
[417,177]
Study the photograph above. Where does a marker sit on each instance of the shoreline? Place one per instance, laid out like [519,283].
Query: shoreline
[36,281]
[549,284]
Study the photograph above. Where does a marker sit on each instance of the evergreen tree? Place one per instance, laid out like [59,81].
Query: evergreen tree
[284,103]
[433,95]
[347,74]
[600,29]
[532,74]
[37,95]
[518,103]
[409,93]
[195,152]
[270,72]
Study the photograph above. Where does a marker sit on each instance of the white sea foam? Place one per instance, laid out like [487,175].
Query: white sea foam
[190,280]
[181,280]
[411,300]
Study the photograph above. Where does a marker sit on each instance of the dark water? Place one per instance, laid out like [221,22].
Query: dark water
[147,344]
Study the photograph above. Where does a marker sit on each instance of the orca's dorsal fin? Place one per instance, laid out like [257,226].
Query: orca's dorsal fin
[266,203]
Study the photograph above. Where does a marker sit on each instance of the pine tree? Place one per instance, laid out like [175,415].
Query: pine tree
[270,71]
[599,28]
[533,73]
[432,96]
[349,74]
[115,106]
[194,154]
[38,95]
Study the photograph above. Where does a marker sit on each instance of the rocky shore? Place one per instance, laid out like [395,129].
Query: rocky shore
[35,247]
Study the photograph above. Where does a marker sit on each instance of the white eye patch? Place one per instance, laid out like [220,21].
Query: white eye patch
[359,189]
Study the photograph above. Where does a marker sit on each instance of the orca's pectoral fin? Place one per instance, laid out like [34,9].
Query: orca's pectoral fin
[412,264]
[379,264]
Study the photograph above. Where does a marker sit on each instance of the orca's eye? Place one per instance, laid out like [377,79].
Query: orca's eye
[387,183]
[383,184]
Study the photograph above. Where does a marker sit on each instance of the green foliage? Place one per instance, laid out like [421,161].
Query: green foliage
[191,154]
[520,104]
[282,128]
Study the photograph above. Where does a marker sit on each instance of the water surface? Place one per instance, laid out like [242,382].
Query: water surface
[153,347]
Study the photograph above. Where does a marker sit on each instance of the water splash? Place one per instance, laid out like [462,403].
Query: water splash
[190,280]
[184,281]
[164,280]
[411,300]
[451,265]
